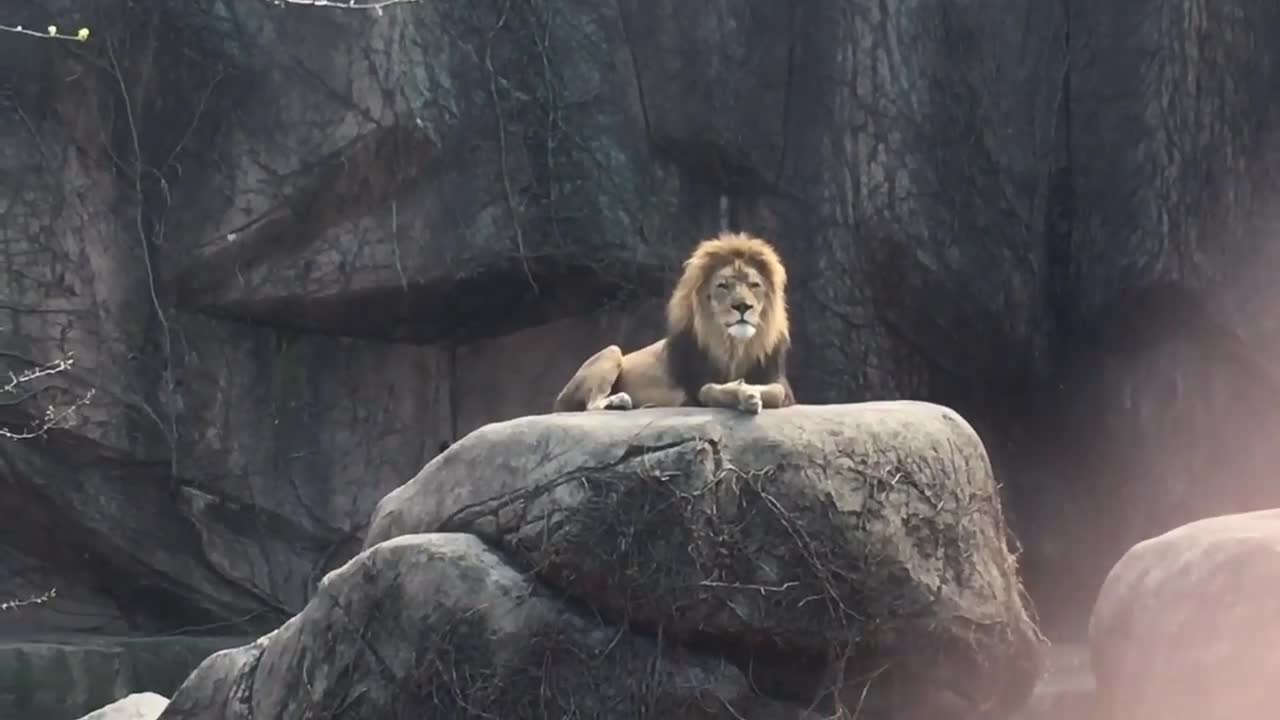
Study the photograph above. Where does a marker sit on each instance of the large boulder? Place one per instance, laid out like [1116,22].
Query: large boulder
[138,706]
[439,626]
[1185,624]
[863,540]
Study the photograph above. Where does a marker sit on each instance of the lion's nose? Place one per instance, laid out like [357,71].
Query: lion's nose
[741,307]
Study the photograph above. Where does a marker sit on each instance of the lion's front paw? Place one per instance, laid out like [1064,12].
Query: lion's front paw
[618,401]
[749,400]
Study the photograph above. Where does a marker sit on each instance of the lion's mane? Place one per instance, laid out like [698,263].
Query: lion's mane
[688,315]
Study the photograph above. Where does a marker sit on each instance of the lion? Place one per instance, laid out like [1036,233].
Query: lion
[726,342]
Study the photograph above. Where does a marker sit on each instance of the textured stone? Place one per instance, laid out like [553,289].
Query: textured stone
[437,625]
[809,532]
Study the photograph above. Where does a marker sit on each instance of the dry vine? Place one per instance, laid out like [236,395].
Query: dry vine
[53,416]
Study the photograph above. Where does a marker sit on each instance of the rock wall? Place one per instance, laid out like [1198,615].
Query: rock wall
[295,250]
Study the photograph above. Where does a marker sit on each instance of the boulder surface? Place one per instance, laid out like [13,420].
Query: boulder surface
[137,706]
[1185,624]
[438,626]
[863,540]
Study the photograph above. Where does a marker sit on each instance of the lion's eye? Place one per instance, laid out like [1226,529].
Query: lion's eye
[754,285]
[723,285]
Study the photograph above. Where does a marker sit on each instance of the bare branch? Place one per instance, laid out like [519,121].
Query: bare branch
[36,600]
[52,416]
[57,366]
[376,5]
[51,33]
[51,419]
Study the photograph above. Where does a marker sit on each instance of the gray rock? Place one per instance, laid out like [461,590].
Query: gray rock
[808,532]
[419,109]
[1185,625]
[138,706]
[403,204]
[257,460]
[439,626]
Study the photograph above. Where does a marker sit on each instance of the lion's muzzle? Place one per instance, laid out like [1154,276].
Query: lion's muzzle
[742,330]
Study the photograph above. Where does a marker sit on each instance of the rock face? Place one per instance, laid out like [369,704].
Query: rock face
[854,537]
[1185,625]
[306,323]
[67,677]
[293,462]
[290,247]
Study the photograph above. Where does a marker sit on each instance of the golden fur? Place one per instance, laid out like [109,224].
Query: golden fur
[690,309]
[727,338]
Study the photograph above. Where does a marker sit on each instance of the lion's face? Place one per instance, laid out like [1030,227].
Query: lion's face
[731,299]
[736,294]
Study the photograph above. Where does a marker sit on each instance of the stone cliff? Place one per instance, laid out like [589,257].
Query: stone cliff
[295,251]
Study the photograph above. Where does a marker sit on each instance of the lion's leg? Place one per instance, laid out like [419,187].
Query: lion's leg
[616,401]
[738,395]
[734,395]
[772,395]
[591,386]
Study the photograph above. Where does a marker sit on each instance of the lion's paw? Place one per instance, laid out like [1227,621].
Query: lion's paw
[749,401]
[618,401]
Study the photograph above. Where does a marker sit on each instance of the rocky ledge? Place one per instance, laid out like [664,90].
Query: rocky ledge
[664,563]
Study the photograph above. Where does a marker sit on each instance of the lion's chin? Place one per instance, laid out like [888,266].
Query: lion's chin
[742,331]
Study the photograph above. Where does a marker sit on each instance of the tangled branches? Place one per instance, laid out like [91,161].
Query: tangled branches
[15,392]
[34,600]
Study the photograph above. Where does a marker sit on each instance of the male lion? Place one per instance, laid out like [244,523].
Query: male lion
[726,342]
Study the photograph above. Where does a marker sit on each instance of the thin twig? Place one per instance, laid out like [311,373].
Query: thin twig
[144,242]
[51,416]
[37,600]
[57,366]
[376,5]
[53,34]
[502,149]
[50,420]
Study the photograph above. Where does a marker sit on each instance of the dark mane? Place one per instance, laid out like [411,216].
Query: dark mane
[690,368]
